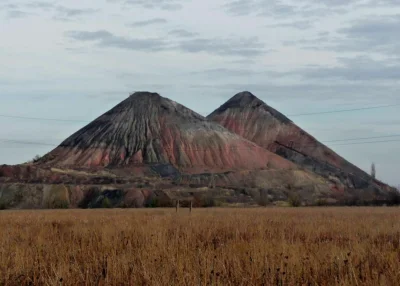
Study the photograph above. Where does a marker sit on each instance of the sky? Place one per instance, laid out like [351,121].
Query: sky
[74,60]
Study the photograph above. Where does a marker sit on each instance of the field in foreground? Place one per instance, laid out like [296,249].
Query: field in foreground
[331,246]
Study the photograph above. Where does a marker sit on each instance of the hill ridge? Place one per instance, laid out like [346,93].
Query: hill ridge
[147,128]
[253,119]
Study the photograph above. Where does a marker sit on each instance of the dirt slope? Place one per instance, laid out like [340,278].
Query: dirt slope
[253,119]
[148,129]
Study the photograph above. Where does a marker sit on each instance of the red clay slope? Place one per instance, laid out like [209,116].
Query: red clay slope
[251,118]
[148,129]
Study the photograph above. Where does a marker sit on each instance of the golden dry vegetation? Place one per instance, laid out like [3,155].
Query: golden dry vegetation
[271,246]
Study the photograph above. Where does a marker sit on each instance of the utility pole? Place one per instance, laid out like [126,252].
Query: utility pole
[373,171]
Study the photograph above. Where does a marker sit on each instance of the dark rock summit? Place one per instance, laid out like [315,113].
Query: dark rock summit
[247,100]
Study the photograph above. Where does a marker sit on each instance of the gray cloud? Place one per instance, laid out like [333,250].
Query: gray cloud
[322,41]
[244,47]
[337,2]
[301,25]
[323,34]
[349,71]
[9,6]
[182,33]
[60,12]
[224,72]
[33,8]
[17,14]
[381,3]
[360,78]
[354,69]
[14,10]
[245,61]
[41,5]
[240,7]
[148,22]
[152,4]
[279,9]
[107,39]
[379,34]
[136,75]
[68,14]
[258,7]
[309,92]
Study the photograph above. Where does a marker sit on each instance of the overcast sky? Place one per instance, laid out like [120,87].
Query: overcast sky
[76,59]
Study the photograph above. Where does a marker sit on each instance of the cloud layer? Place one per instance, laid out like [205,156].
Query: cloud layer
[154,21]
[79,58]
[243,47]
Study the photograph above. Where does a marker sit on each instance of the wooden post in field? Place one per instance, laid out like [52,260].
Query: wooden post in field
[177,205]
[191,206]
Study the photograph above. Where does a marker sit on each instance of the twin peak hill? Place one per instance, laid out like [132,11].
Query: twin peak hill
[147,129]
[151,148]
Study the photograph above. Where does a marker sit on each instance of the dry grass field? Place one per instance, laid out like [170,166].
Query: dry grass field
[272,246]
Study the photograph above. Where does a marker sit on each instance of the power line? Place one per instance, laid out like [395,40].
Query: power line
[345,110]
[361,138]
[301,114]
[206,149]
[38,143]
[361,143]
[42,119]
[356,143]
[23,142]
[165,148]
[349,139]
